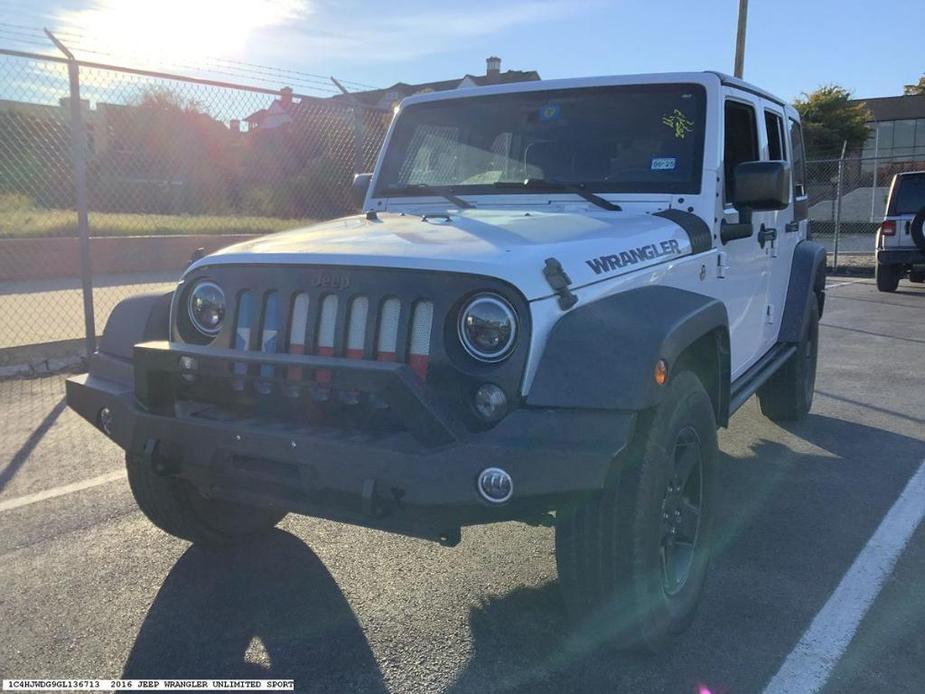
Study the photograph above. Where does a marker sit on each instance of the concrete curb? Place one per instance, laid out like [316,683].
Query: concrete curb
[28,361]
[55,258]
[44,367]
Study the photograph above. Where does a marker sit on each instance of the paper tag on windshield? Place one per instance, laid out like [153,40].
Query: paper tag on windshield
[663,163]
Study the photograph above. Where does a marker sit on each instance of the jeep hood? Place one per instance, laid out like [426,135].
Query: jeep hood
[510,245]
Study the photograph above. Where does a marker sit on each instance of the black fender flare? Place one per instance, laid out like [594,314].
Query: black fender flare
[603,355]
[807,281]
[137,319]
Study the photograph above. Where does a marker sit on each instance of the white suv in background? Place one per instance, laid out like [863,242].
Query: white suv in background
[900,240]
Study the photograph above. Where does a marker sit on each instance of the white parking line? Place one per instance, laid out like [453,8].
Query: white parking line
[20,501]
[842,284]
[809,665]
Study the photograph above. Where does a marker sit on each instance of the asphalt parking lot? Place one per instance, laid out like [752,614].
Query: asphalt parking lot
[88,588]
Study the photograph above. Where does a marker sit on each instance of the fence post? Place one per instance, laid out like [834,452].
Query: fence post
[359,128]
[838,193]
[359,140]
[79,155]
[873,189]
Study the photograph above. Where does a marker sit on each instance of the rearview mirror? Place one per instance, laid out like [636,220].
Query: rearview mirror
[359,188]
[761,185]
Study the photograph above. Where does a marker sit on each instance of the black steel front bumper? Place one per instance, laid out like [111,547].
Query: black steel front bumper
[901,257]
[419,481]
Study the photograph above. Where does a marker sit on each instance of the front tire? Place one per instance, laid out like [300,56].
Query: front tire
[176,507]
[888,277]
[917,276]
[633,559]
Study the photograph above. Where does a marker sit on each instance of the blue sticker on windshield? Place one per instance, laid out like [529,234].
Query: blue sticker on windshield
[549,112]
[663,163]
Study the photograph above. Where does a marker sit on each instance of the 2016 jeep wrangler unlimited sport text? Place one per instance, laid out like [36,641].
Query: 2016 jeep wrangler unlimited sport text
[555,294]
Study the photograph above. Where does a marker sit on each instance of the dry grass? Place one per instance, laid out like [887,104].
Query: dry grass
[35,222]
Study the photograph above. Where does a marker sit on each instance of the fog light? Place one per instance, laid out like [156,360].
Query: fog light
[495,485]
[490,402]
[105,419]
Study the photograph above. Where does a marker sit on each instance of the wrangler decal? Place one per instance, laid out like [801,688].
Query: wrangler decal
[651,251]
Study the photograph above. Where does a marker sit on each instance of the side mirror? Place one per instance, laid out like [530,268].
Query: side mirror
[761,185]
[359,188]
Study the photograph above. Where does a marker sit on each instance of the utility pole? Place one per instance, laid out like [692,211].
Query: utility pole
[740,39]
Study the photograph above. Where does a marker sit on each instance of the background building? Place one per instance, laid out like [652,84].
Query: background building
[897,129]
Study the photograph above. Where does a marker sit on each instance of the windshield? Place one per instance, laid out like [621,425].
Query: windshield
[635,139]
[909,197]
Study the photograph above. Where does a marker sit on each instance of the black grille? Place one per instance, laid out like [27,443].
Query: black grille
[405,316]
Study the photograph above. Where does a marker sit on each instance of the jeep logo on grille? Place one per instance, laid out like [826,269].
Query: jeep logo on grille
[331,280]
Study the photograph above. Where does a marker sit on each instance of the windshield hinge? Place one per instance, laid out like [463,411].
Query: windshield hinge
[559,281]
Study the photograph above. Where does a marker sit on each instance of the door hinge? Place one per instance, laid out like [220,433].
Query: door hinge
[721,265]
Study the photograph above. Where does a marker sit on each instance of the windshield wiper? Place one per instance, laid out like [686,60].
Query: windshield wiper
[580,189]
[430,190]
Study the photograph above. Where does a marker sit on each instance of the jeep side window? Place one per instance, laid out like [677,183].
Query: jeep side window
[799,159]
[741,140]
[774,124]
[908,195]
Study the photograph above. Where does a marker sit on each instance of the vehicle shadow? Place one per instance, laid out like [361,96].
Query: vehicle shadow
[264,610]
[788,525]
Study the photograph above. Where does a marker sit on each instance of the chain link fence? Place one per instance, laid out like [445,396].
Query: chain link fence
[110,179]
[150,167]
[847,200]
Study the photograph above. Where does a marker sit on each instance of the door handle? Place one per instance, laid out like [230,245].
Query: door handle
[766,234]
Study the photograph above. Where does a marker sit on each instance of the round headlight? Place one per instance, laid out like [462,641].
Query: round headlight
[207,308]
[488,327]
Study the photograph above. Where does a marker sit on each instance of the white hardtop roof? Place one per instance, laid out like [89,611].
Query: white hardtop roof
[705,78]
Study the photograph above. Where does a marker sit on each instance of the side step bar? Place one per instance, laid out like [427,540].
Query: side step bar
[748,383]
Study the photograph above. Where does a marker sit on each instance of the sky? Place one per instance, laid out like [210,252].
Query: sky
[792,46]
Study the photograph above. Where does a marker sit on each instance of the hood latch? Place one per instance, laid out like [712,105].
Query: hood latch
[559,281]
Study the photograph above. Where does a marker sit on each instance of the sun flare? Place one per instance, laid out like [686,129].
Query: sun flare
[176,31]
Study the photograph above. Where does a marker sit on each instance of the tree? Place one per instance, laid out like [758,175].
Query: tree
[830,118]
[168,155]
[917,89]
[158,98]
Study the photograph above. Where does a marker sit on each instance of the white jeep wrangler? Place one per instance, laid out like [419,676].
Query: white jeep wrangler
[901,238]
[555,294]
